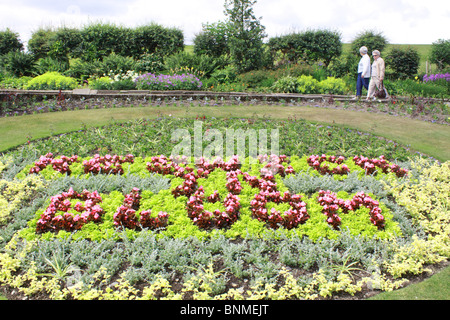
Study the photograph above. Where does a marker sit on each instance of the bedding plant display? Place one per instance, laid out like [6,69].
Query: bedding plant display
[336,214]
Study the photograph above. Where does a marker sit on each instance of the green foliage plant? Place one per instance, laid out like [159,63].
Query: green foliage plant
[52,81]
[13,195]
[19,64]
[14,82]
[65,43]
[212,40]
[101,39]
[440,53]
[102,83]
[403,62]
[9,41]
[344,66]
[333,85]
[286,84]
[309,46]
[40,42]
[307,85]
[201,65]
[154,39]
[49,64]
[430,210]
[322,45]
[372,39]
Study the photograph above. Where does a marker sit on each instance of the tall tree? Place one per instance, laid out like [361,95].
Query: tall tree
[246,35]
[9,41]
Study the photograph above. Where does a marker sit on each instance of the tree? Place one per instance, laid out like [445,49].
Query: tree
[246,35]
[212,40]
[9,41]
[440,53]
[371,39]
[40,42]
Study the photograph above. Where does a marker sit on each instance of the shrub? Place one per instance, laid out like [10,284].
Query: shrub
[202,65]
[102,83]
[307,85]
[154,38]
[440,53]
[311,45]
[97,40]
[111,64]
[149,62]
[48,64]
[257,78]
[322,45]
[14,83]
[344,66]
[371,39]
[227,74]
[19,64]
[410,87]
[333,86]
[286,84]
[212,40]
[100,40]
[83,70]
[52,81]
[117,64]
[66,42]
[39,43]
[404,63]
[119,81]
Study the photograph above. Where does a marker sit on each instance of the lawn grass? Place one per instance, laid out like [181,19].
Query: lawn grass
[429,138]
[437,287]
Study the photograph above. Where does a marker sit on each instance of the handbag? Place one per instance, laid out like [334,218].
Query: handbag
[381,93]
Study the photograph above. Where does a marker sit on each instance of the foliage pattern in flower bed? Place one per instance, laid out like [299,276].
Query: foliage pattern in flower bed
[218,197]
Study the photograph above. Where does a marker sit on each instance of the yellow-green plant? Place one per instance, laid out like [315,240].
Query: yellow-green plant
[52,81]
[427,201]
[14,194]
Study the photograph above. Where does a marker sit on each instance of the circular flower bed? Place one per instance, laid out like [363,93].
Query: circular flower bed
[129,226]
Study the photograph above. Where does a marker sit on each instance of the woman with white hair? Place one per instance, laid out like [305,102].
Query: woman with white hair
[377,76]
[363,72]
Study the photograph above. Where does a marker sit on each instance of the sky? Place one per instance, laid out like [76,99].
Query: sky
[401,22]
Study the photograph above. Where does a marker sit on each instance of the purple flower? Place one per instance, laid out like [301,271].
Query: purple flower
[436,77]
[168,82]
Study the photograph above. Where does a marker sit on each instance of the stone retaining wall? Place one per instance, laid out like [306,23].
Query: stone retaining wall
[184,95]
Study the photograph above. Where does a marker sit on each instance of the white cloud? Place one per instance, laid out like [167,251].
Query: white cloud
[411,21]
